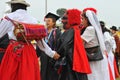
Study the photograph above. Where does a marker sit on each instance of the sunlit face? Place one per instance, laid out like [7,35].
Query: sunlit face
[49,22]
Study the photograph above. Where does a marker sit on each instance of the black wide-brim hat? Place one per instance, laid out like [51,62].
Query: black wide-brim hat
[114,28]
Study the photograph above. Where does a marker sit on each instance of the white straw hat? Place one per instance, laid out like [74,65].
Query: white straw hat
[18,1]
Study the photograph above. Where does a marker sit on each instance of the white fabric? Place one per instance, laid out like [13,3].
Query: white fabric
[89,36]
[94,22]
[22,16]
[100,70]
[110,43]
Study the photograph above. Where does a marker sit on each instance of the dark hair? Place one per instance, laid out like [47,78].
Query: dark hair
[84,15]
[104,29]
[54,20]
[102,23]
[17,6]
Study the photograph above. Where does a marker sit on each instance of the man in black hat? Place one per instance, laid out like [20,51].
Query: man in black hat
[47,69]
[113,29]
[117,40]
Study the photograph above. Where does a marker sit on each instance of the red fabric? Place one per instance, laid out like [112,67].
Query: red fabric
[110,72]
[20,63]
[34,30]
[115,69]
[2,50]
[74,17]
[80,61]
[91,9]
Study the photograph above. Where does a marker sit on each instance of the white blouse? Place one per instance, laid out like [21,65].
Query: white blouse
[22,16]
[89,36]
[109,42]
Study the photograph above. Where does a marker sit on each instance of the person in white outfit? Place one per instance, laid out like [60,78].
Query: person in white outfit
[110,46]
[92,36]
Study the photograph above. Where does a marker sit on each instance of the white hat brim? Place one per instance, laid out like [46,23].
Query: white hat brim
[13,2]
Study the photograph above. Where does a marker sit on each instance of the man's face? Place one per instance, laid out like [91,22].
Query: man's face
[112,31]
[65,21]
[49,22]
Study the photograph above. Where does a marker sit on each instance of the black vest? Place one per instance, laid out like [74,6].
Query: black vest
[4,42]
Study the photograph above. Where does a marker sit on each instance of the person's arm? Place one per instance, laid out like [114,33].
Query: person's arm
[5,27]
[108,41]
[48,51]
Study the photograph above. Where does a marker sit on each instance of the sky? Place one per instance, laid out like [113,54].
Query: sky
[107,10]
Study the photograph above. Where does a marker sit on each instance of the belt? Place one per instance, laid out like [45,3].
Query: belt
[2,50]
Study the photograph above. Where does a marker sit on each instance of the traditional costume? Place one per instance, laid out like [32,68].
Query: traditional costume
[100,69]
[20,60]
[117,41]
[73,61]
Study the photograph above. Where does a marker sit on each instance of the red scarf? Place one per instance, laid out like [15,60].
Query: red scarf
[80,61]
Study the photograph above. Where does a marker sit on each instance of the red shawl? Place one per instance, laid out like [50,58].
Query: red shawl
[80,61]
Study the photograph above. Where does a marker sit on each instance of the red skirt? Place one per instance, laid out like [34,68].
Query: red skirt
[19,63]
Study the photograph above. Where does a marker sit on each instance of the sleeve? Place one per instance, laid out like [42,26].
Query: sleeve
[107,36]
[108,41]
[88,34]
[45,48]
[5,27]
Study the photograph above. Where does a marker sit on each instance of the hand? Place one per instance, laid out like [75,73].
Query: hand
[56,56]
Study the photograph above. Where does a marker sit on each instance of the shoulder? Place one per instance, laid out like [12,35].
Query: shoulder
[12,15]
[90,28]
[22,16]
[106,33]
[69,32]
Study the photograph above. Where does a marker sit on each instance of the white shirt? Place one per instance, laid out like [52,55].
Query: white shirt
[89,36]
[22,16]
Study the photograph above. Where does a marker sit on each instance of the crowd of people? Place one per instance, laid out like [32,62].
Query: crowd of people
[83,50]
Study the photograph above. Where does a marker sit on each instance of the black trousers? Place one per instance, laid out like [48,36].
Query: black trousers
[1,56]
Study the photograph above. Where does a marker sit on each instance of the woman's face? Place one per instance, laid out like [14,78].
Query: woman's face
[84,21]
[49,23]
